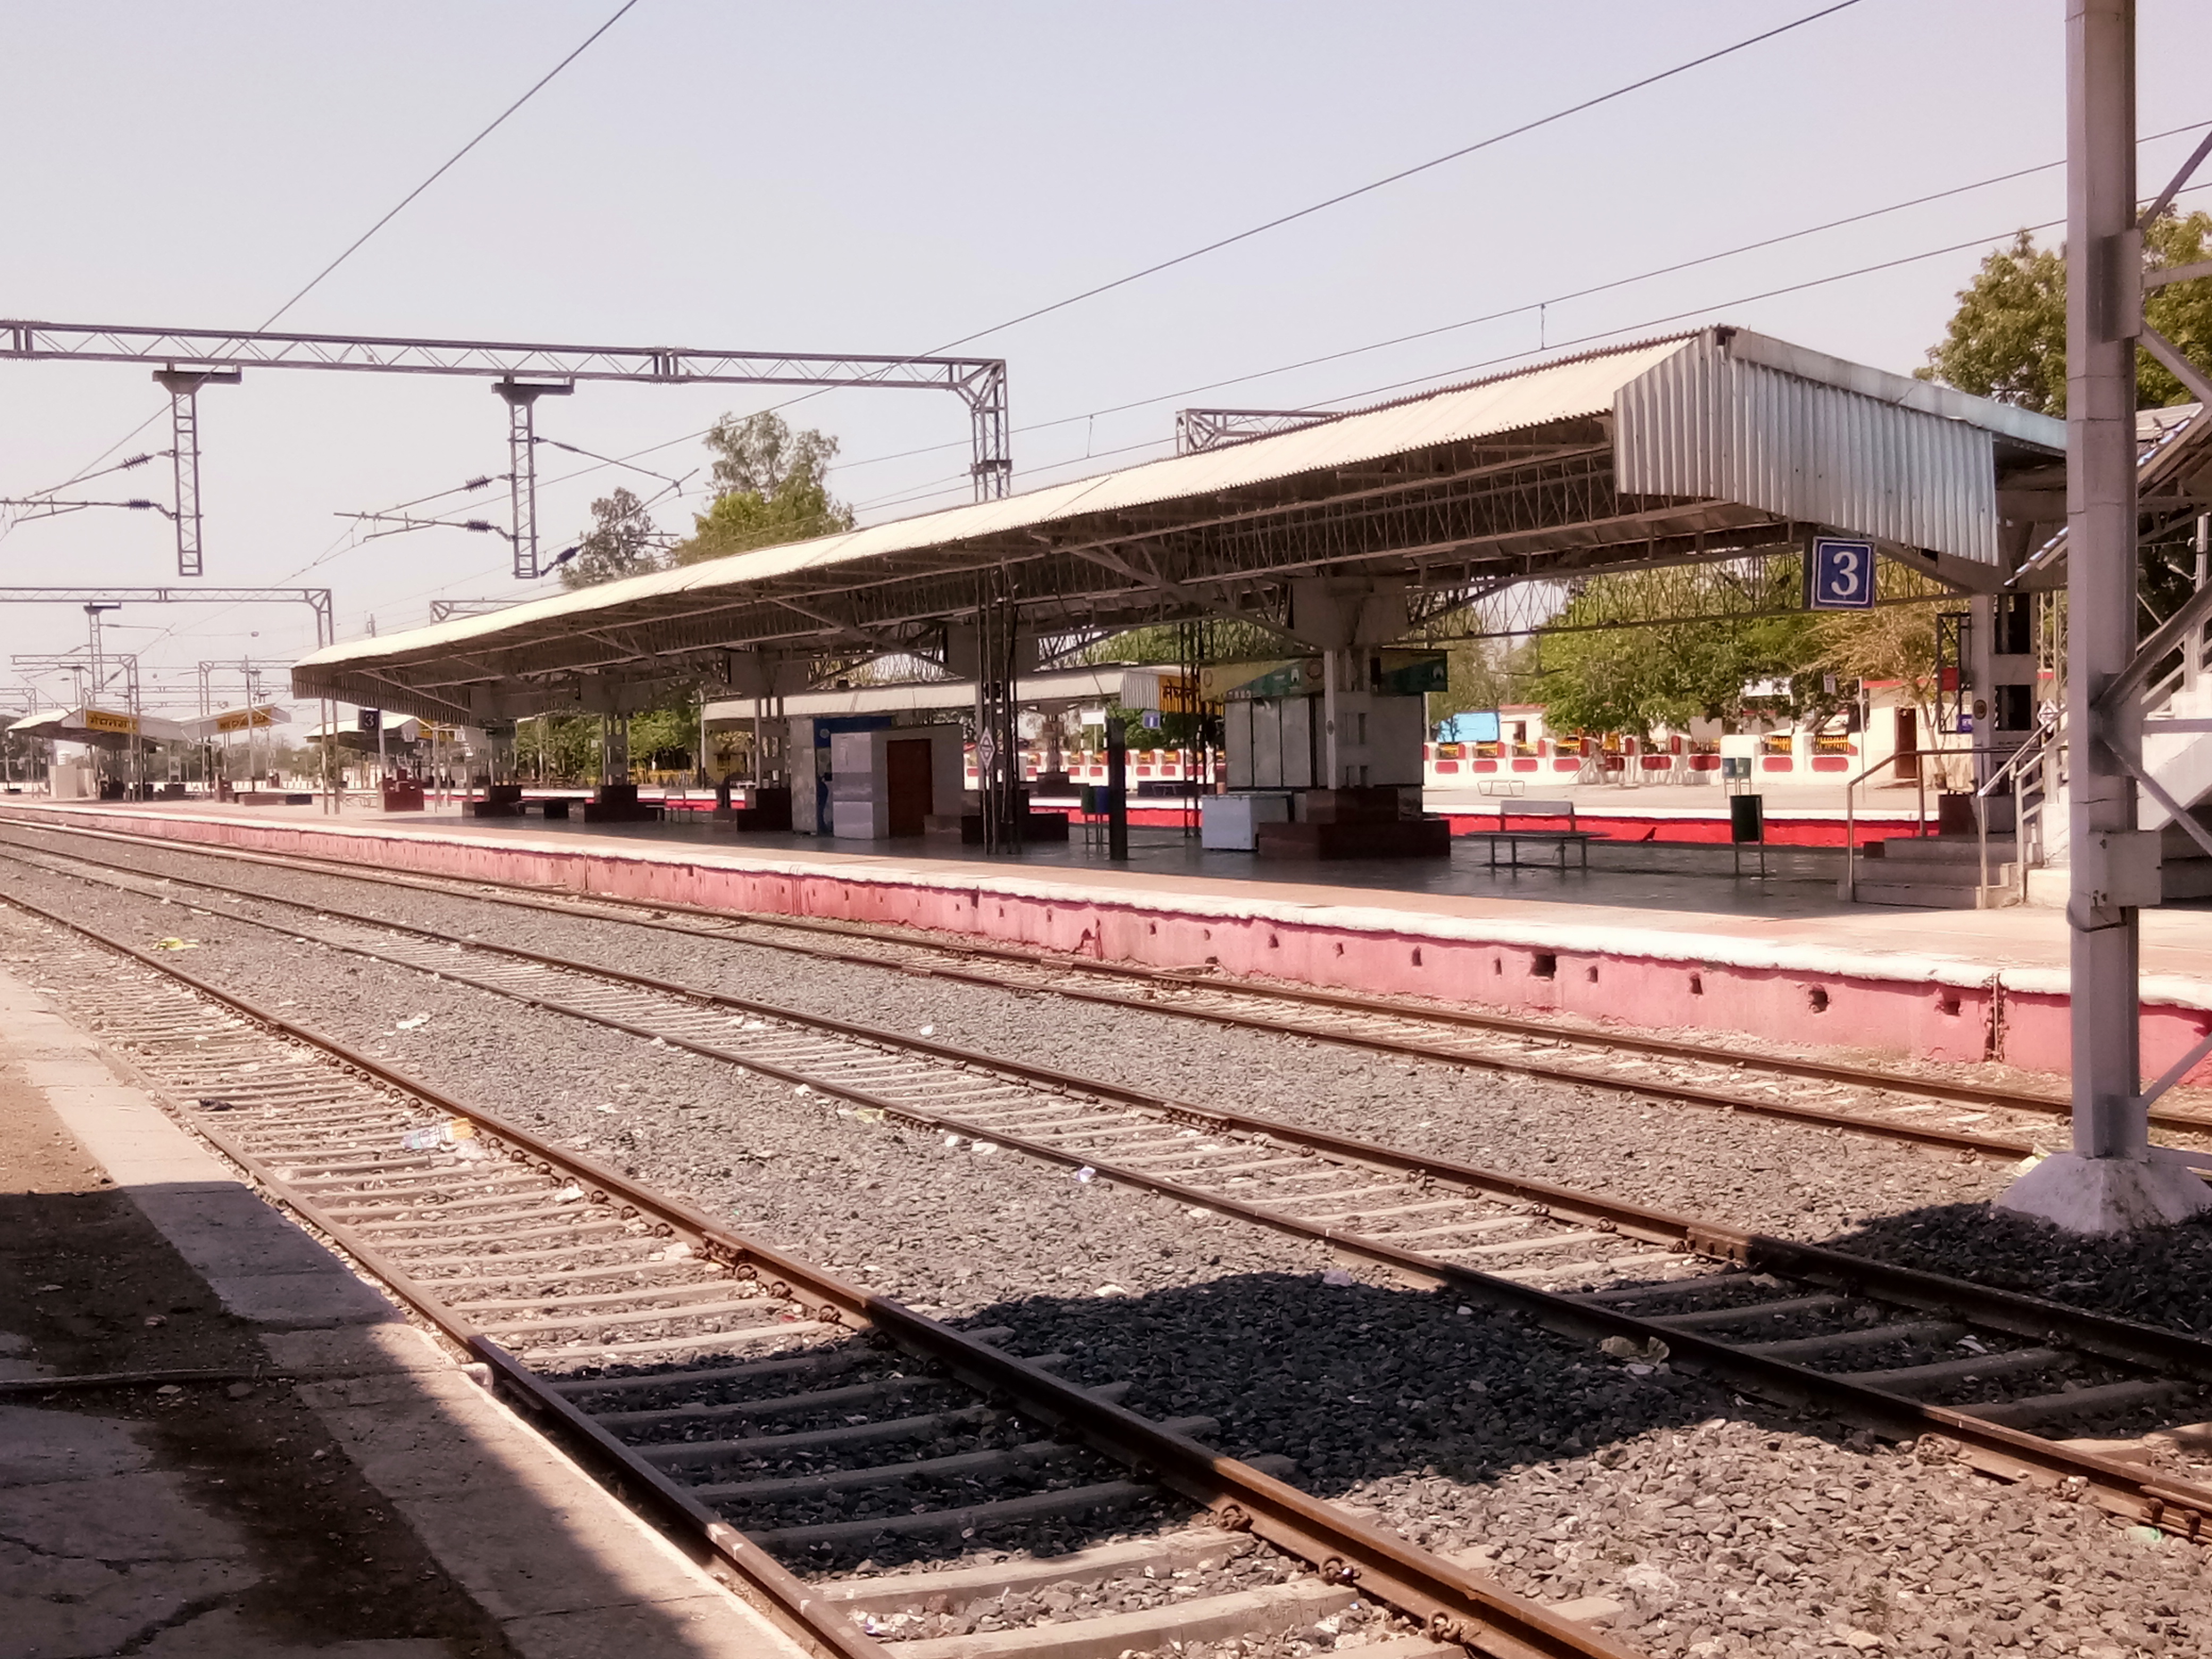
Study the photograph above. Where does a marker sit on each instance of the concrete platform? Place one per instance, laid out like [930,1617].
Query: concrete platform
[336,1487]
[1653,936]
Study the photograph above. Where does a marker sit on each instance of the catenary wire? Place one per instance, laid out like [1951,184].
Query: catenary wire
[1337,200]
[443,169]
[1593,338]
[447,165]
[1674,268]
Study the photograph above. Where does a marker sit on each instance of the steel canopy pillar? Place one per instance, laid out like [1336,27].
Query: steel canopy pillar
[521,397]
[2110,1181]
[998,723]
[183,386]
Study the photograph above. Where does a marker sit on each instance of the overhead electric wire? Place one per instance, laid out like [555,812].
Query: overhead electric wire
[447,165]
[1401,175]
[1534,305]
[1337,200]
[355,247]
[1380,345]
[947,482]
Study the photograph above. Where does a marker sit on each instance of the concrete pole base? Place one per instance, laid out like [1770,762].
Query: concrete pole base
[2107,1195]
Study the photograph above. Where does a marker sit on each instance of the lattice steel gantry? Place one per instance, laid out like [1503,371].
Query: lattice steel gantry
[216,356]
[183,386]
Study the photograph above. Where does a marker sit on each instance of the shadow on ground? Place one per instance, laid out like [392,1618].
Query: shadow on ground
[2163,1277]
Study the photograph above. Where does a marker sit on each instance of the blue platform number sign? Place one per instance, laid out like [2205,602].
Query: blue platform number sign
[1842,574]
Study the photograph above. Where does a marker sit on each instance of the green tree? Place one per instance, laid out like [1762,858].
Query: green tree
[771,487]
[1483,674]
[1890,642]
[2006,340]
[561,748]
[622,542]
[1630,679]
[665,739]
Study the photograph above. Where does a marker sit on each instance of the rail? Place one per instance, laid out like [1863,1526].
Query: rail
[1452,1603]
[1457,1605]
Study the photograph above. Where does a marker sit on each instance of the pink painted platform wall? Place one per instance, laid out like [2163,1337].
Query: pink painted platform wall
[1858,1010]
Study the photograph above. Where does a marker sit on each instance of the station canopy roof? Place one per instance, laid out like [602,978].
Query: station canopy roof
[1705,445]
[257,718]
[1105,683]
[101,728]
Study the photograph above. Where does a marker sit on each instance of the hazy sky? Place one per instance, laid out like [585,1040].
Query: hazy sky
[884,177]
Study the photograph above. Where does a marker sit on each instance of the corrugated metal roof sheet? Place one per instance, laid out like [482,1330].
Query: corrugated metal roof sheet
[1714,421]
[1105,683]
[1725,413]
[1583,386]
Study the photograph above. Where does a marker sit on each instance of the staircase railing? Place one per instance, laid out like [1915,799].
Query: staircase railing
[2015,770]
[1920,778]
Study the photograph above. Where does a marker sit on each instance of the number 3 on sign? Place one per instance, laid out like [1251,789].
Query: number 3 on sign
[1843,575]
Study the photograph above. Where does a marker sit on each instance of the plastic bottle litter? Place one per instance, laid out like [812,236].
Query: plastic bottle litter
[448,1133]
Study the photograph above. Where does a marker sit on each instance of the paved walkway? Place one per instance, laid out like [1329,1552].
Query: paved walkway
[340,1490]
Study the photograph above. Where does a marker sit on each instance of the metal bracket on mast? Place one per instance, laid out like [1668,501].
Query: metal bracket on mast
[521,397]
[183,386]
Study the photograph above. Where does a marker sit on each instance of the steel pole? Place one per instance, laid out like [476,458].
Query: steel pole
[2110,1181]
[2101,308]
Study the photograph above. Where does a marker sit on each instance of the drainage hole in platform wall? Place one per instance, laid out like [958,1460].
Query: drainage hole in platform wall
[1543,965]
[1816,998]
[1697,985]
[1590,974]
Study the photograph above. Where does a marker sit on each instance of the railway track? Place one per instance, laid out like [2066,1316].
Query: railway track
[1947,1114]
[769,1412]
[1966,1372]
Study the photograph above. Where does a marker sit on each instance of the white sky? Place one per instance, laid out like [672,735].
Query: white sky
[884,178]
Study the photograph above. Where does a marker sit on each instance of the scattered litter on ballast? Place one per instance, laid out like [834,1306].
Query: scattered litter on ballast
[413,1022]
[1086,1174]
[447,1133]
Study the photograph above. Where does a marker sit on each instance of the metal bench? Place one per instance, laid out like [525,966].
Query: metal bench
[1560,839]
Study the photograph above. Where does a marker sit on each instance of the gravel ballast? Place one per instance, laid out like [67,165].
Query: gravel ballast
[1722,1527]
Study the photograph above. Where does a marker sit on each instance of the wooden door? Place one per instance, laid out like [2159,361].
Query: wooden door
[907,781]
[1908,769]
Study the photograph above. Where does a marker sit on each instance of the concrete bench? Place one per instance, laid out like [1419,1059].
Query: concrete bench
[1559,840]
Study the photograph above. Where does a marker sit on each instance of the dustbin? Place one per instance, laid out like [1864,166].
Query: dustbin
[1735,768]
[1747,826]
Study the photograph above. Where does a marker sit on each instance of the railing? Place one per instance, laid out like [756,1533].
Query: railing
[2040,743]
[1920,793]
